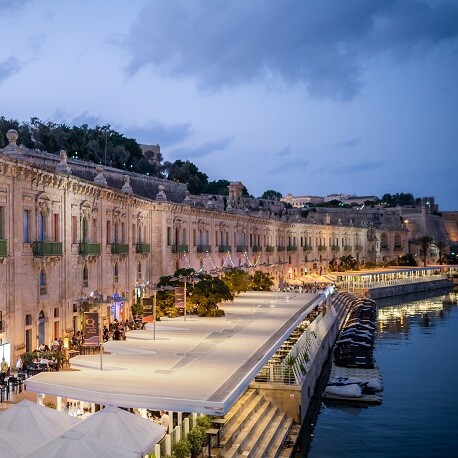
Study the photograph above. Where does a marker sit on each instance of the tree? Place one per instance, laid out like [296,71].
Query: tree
[207,294]
[270,194]
[348,262]
[261,281]
[424,241]
[237,280]
[186,172]
[219,187]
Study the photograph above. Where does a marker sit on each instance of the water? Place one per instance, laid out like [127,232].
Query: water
[417,351]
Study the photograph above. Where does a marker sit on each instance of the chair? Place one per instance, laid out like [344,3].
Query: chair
[13,383]
[4,391]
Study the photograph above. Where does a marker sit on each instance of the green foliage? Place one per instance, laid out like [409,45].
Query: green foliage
[270,194]
[137,309]
[219,187]
[204,421]
[237,280]
[197,439]
[29,357]
[348,262]
[424,241]
[186,172]
[207,294]
[181,449]
[393,200]
[407,260]
[261,281]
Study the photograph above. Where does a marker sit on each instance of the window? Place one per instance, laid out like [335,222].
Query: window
[42,282]
[116,273]
[28,320]
[41,227]
[74,229]
[139,271]
[2,222]
[85,277]
[85,230]
[56,312]
[55,227]
[169,235]
[108,232]
[26,226]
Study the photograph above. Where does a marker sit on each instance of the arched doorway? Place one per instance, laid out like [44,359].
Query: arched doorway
[41,327]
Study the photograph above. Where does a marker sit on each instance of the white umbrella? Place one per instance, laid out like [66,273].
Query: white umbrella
[74,444]
[35,423]
[117,426]
[12,446]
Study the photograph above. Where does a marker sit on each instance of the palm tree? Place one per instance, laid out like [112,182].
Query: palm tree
[441,246]
[424,241]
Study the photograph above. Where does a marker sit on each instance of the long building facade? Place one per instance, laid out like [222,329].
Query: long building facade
[69,229]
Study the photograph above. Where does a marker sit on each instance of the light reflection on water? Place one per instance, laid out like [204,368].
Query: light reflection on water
[416,349]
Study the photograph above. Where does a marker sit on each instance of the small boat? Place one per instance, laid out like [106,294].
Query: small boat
[450,299]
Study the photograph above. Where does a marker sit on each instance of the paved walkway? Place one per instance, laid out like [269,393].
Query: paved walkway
[197,365]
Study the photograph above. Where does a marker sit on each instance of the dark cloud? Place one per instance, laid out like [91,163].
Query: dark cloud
[156,132]
[8,68]
[351,143]
[291,165]
[204,149]
[347,169]
[284,152]
[320,45]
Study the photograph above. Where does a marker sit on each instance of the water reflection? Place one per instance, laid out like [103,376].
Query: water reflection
[416,349]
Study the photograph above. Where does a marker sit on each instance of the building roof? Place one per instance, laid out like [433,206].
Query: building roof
[198,365]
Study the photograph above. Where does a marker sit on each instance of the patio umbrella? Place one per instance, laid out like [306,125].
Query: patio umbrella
[74,444]
[12,446]
[119,427]
[34,423]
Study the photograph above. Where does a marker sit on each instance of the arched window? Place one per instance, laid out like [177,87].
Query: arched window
[42,281]
[85,277]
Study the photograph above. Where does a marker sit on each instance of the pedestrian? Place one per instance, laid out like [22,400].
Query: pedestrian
[19,364]
[4,369]
[164,420]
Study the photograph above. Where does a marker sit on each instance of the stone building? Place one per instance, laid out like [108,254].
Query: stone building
[69,229]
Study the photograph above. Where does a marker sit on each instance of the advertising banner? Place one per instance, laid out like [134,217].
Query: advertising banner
[148,312]
[91,329]
[179,297]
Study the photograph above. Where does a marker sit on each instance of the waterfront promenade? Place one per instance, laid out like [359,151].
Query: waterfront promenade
[198,365]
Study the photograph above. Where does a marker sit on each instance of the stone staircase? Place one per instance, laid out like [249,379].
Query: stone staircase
[254,428]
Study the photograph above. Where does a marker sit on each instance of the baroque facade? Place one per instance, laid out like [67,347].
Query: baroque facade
[69,228]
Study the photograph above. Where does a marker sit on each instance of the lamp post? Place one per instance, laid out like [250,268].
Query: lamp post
[97,298]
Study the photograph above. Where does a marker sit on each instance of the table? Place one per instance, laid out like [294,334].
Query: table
[211,432]
[72,353]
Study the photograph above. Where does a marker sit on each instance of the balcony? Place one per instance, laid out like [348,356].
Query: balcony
[269,249]
[86,248]
[47,248]
[347,248]
[281,248]
[2,248]
[241,248]
[335,247]
[307,248]
[384,248]
[225,249]
[256,249]
[119,248]
[204,249]
[142,248]
[358,247]
[398,248]
[291,248]
[180,249]
[322,247]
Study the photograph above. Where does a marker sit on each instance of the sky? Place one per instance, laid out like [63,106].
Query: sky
[299,96]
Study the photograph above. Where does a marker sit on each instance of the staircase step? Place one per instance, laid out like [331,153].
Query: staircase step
[274,438]
[248,430]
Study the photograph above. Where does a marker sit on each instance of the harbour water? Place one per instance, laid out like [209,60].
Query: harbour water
[416,349]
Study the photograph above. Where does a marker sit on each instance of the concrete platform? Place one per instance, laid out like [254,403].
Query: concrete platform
[198,365]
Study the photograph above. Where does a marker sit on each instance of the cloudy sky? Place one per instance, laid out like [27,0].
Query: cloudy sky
[300,96]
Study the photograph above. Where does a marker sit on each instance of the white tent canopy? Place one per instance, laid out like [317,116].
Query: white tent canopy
[12,446]
[34,423]
[119,427]
[74,444]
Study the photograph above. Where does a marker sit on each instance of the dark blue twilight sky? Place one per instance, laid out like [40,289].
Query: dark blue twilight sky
[300,96]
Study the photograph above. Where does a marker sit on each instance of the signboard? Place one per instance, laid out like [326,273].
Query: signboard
[148,312]
[179,297]
[91,329]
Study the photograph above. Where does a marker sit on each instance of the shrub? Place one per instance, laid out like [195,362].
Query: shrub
[181,449]
[197,439]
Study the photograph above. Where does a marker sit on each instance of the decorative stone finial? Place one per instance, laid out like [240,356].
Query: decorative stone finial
[62,166]
[161,194]
[100,177]
[210,204]
[127,188]
[12,147]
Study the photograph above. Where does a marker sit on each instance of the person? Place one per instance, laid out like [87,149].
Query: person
[55,345]
[164,420]
[19,364]
[42,347]
[4,368]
